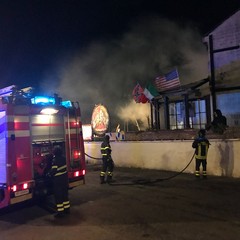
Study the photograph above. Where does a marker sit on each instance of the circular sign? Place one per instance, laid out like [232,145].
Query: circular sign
[100,120]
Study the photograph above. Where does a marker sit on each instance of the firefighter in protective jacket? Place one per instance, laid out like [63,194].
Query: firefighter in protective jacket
[201,144]
[107,162]
[60,182]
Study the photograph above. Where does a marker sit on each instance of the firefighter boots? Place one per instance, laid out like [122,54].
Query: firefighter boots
[102,181]
[109,179]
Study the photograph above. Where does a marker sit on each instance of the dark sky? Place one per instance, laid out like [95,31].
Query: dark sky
[35,33]
[96,50]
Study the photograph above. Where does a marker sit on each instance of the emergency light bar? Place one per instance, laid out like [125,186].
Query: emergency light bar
[66,104]
[41,100]
[7,91]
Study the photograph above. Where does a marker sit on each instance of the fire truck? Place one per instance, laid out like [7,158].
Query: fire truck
[30,127]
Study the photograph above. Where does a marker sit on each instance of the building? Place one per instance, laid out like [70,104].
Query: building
[192,105]
[223,44]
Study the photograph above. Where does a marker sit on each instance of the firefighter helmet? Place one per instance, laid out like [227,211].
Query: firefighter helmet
[106,138]
[57,151]
[202,133]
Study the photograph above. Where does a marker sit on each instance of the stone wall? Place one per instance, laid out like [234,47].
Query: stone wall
[170,155]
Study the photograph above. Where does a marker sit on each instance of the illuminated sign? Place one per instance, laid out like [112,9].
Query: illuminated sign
[100,120]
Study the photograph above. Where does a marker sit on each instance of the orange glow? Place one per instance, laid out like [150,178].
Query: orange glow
[100,119]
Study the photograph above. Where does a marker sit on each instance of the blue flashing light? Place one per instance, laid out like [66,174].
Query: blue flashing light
[67,104]
[41,100]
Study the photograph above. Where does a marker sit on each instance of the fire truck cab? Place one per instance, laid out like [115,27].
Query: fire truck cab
[30,127]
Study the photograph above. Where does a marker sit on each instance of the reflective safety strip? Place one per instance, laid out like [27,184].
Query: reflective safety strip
[197,173]
[105,148]
[62,167]
[60,173]
[66,204]
[102,174]
[110,174]
[60,207]
[204,173]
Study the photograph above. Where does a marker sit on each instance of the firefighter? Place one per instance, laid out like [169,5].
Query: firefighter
[219,123]
[107,162]
[201,145]
[60,182]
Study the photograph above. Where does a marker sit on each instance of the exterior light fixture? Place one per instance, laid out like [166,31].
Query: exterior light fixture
[49,111]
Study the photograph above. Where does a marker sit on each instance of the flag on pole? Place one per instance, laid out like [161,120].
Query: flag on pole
[150,91]
[138,94]
[168,81]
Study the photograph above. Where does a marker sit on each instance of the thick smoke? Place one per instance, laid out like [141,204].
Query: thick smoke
[107,71]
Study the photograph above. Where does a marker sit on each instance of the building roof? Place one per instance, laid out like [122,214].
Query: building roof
[193,90]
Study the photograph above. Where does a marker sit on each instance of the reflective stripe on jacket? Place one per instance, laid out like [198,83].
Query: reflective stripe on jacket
[106,149]
[202,150]
[59,166]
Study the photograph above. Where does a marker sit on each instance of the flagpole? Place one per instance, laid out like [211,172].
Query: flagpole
[151,109]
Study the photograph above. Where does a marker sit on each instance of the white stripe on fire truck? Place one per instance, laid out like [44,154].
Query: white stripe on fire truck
[73,131]
[12,118]
[19,133]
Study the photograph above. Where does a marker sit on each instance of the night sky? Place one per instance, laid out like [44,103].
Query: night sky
[46,44]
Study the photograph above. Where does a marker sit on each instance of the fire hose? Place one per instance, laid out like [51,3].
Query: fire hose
[93,157]
[148,182]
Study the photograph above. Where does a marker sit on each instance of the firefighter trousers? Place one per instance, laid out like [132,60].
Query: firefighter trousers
[200,162]
[60,189]
[107,169]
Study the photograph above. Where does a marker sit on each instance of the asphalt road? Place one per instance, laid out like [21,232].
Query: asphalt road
[135,207]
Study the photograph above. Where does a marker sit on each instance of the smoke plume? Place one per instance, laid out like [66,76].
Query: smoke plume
[107,70]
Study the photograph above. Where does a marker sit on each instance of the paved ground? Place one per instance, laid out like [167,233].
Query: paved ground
[136,207]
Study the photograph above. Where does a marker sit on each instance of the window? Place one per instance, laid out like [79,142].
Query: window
[197,114]
[231,113]
[176,114]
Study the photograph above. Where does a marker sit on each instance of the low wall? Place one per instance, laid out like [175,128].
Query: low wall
[173,155]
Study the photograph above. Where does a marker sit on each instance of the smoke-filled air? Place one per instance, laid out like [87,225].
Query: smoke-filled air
[106,71]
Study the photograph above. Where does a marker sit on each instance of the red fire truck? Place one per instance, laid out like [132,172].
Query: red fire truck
[30,126]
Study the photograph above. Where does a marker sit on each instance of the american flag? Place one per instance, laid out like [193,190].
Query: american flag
[168,81]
